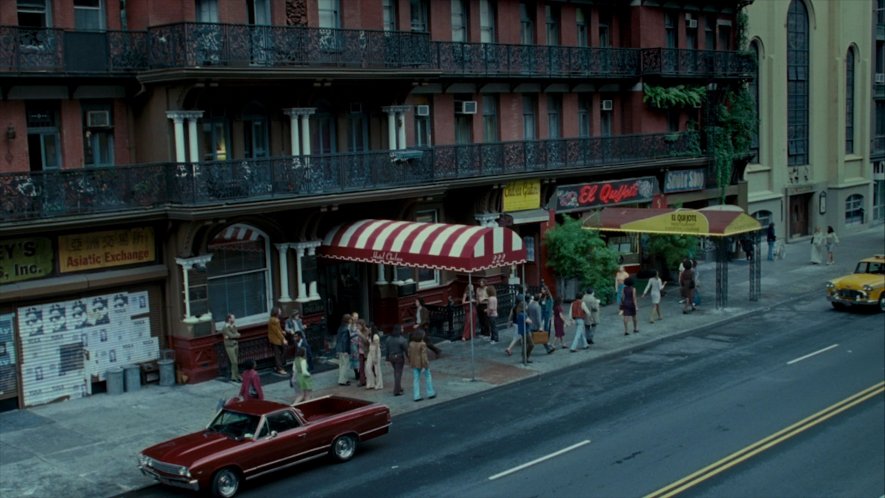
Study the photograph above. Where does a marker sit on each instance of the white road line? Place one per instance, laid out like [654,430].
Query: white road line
[809,355]
[539,460]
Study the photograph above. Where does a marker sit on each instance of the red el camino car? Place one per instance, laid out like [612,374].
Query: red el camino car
[250,438]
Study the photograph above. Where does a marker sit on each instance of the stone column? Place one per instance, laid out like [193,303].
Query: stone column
[283,250]
[193,136]
[396,125]
[187,265]
[382,278]
[305,132]
[178,120]
[311,251]
[302,288]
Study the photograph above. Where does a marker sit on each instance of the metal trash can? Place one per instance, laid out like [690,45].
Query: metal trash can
[114,377]
[133,378]
[167,372]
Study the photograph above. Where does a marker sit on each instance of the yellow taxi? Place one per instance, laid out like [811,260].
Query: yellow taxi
[864,287]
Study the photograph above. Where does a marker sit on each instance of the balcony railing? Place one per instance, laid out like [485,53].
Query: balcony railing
[60,51]
[697,63]
[192,45]
[27,196]
[238,45]
[492,59]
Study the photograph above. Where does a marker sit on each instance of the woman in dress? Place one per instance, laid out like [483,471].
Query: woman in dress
[817,246]
[373,361]
[620,277]
[468,300]
[559,321]
[301,376]
[831,240]
[628,305]
[655,285]
[492,311]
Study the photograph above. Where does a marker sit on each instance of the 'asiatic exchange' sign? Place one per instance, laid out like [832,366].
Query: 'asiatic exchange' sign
[589,195]
[88,251]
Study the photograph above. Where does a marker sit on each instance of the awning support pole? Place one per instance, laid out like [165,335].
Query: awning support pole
[472,327]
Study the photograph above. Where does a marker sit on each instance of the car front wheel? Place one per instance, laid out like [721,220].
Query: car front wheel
[344,447]
[225,483]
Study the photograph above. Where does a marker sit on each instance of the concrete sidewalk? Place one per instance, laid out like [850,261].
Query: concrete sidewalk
[87,447]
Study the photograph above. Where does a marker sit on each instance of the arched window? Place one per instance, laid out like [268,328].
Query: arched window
[239,274]
[797,84]
[754,94]
[849,101]
[854,209]
[764,217]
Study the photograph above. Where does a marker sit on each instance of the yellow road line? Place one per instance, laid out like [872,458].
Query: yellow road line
[766,443]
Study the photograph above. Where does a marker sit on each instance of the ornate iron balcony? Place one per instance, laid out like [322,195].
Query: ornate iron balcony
[239,45]
[73,192]
[24,50]
[500,60]
[697,63]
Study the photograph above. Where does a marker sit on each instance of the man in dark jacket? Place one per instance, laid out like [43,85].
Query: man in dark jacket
[397,354]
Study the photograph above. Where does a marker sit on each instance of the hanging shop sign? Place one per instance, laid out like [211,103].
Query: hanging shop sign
[89,251]
[684,180]
[612,193]
[521,195]
[25,259]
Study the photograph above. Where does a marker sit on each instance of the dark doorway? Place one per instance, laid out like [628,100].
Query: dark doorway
[799,205]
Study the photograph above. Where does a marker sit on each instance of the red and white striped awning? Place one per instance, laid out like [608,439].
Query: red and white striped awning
[238,237]
[440,246]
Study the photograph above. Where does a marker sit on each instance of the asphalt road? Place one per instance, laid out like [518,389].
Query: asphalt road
[631,426]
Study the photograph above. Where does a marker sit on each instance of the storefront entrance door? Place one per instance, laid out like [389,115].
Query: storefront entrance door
[799,215]
[341,283]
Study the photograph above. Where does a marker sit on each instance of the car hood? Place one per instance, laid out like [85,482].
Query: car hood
[858,280]
[189,449]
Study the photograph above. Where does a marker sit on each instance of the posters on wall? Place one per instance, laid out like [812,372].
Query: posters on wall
[65,344]
[7,356]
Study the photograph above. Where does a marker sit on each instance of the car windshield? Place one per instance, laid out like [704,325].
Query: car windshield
[870,267]
[234,424]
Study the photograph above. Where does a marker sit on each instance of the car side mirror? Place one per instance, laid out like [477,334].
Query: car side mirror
[273,434]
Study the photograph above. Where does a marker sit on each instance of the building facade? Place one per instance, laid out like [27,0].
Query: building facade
[193,156]
[818,154]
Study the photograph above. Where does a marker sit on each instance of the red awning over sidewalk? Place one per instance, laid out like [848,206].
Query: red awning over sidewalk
[440,246]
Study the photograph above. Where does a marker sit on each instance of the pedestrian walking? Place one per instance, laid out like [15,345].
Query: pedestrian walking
[278,341]
[492,311]
[482,304]
[374,379]
[232,346]
[817,246]
[686,286]
[342,348]
[301,375]
[299,341]
[578,314]
[362,348]
[546,302]
[620,277]
[521,321]
[696,276]
[397,352]
[420,367]
[535,313]
[656,286]
[590,307]
[251,386]
[771,237]
[629,305]
[831,240]
[559,322]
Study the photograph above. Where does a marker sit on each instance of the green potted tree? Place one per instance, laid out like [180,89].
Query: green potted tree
[580,259]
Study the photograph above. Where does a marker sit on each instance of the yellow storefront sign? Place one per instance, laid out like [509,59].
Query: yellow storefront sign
[675,222]
[522,195]
[89,251]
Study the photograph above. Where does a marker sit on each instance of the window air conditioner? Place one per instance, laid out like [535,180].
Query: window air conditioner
[98,119]
[607,105]
[880,77]
[422,110]
[465,107]
[691,23]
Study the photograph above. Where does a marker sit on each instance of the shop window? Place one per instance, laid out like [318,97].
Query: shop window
[797,84]
[764,217]
[854,210]
[754,93]
[490,118]
[849,101]
[239,279]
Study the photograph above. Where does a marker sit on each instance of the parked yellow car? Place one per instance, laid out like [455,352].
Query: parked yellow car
[864,287]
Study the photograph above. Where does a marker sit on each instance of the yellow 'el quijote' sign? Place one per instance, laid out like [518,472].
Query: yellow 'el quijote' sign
[89,251]
[521,195]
